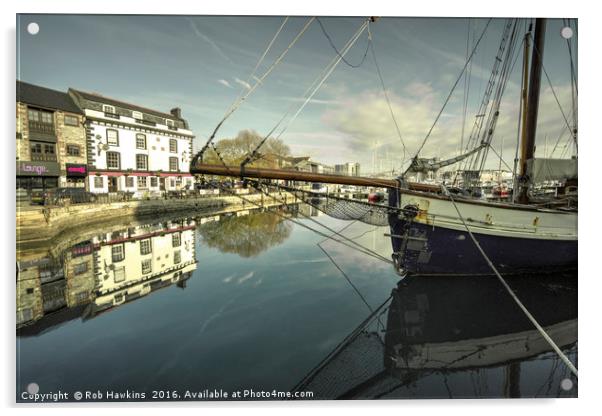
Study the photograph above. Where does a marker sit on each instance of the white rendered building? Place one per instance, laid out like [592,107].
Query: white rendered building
[134,149]
[130,263]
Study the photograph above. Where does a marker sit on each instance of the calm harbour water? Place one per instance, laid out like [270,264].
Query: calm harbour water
[249,301]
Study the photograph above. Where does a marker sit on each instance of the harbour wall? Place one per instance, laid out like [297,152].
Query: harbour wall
[43,224]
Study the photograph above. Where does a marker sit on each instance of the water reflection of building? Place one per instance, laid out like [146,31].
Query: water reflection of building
[134,262]
[463,333]
[307,210]
[103,272]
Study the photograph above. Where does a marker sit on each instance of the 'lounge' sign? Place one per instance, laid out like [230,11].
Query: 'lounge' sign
[37,168]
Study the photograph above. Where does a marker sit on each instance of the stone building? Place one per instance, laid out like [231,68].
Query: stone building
[51,139]
[134,149]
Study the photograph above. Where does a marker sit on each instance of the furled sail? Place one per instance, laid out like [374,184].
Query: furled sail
[424,165]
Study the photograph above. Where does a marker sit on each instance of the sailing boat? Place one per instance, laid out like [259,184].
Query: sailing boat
[430,238]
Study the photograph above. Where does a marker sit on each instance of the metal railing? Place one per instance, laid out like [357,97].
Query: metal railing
[114,197]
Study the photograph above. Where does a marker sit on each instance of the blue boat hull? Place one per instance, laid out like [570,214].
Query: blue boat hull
[424,249]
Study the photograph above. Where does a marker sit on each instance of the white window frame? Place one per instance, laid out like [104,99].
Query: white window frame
[176,239]
[142,157]
[121,249]
[108,109]
[177,164]
[137,115]
[99,182]
[140,136]
[116,137]
[147,266]
[119,274]
[118,160]
[169,122]
[143,243]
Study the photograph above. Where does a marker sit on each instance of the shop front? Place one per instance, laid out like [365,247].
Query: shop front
[37,176]
[75,174]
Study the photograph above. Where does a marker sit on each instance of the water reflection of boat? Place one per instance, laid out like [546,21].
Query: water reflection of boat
[441,335]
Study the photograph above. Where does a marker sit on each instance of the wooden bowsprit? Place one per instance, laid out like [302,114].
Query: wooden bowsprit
[292,175]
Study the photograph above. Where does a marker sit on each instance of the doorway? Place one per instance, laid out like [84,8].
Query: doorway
[112,184]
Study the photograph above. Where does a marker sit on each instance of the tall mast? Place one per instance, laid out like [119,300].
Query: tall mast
[530,125]
[523,122]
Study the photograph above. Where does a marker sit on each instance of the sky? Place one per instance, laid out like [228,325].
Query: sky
[203,63]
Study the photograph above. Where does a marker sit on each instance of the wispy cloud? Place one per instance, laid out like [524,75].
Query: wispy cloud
[312,101]
[245,277]
[243,83]
[225,83]
[210,41]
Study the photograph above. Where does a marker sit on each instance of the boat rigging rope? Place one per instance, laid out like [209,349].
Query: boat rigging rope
[358,247]
[572,130]
[467,77]
[382,83]
[453,88]
[316,85]
[574,90]
[242,91]
[258,82]
[506,71]
[509,289]
[347,278]
[352,244]
[337,51]
[344,342]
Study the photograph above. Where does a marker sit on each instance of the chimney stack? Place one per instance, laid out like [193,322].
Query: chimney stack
[176,112]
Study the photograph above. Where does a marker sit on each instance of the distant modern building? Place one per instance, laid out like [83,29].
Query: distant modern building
[51,139]
[307,165]
[134,149]
[348,169]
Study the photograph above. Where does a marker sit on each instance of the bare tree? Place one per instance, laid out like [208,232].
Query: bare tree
[234,151]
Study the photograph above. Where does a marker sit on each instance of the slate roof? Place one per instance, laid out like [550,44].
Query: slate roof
[116,103]
[45,97]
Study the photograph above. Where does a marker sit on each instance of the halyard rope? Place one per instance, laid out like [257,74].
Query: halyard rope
[543,333]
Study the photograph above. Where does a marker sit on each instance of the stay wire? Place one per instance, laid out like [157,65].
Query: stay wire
[573,134]
[337,51]
[539,328]
[237,103]
[311,90]
[355,243]
[384,88]
[262,58]
[355,246]
[453,88]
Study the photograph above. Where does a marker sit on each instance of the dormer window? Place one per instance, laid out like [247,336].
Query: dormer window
[137,115]
[169,122]
[108,109]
